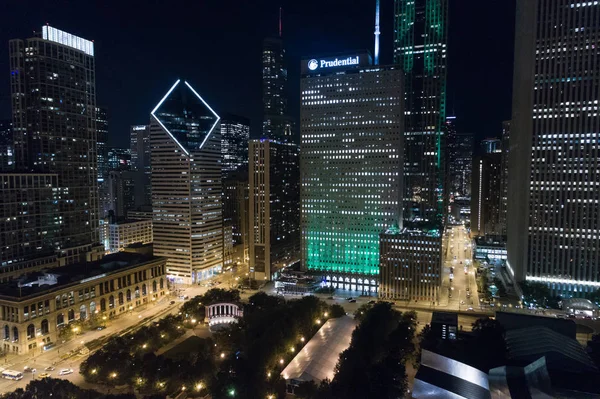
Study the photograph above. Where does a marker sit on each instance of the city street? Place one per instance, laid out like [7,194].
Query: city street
[459,289]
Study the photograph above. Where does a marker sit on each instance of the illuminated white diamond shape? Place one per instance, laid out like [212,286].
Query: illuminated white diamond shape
[218,118]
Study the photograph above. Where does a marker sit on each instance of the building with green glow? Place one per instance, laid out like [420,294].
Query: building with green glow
[411,256]
[420,39]
[350,165]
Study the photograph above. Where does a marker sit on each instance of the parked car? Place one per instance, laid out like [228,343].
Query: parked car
[349,298]
[48,346]
[352,301]
[65,371]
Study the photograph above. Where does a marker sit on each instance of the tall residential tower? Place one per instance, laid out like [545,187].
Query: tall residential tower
[274,207]
[186,185]
[53,93]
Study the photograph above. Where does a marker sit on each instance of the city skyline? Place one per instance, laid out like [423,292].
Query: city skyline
[238,74]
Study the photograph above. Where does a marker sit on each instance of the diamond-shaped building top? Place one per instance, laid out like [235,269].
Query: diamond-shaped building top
[186,116]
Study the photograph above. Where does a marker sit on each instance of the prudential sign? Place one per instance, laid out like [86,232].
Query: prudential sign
[315,64]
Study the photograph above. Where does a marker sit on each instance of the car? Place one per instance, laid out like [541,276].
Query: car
[467,289]
[100,328]
[172,302]
[49,368]
[28,369]
[352,301]
[349,298]
[44,375]
[49,346]
[470,309]
[329,297]
[371,302]
[65,372]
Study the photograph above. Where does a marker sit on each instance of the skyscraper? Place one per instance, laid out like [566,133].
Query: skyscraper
[119,158]
[235,132]
[141,163]
[102,142]
[420,28]
[186,184]
[54,119]
[504,177]
[277,125]
[274,207]
[351,134]
[29,221]
[6,146]
[553,193]
[486,199]
[491,146]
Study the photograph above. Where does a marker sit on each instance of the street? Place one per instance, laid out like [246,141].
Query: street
[459,289]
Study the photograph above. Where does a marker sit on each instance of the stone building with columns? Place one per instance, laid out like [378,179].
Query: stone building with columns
[223,313]
[35,307]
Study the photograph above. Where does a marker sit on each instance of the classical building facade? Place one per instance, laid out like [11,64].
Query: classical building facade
[34,308]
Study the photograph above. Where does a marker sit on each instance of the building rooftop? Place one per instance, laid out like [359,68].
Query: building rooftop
[34,284]
[317,360]
[563,354]
[442,377]
[444,318]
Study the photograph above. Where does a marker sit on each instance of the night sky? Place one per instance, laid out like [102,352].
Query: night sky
[142,47]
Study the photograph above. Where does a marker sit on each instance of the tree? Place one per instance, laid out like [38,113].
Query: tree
[534,293]
[53,388]
[373,365]
[307,390]
[336,311]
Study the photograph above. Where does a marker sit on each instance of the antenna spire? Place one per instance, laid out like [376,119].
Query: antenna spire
[377,32]
[280,21]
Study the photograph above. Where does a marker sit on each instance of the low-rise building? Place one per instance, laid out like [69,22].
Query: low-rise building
[125,233]
[410,264]
[490,247]
[34,308]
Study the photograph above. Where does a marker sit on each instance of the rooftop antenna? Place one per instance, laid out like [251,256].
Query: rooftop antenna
[280,21]
[377,32]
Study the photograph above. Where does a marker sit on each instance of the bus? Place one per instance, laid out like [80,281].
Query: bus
[12,375]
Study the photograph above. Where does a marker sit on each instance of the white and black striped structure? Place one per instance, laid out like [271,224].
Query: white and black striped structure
[554,179]
[186,185]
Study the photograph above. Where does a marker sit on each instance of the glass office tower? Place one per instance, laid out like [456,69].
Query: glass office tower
[420,48]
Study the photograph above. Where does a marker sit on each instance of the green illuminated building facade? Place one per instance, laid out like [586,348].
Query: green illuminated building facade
[420,40]
[351,140]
